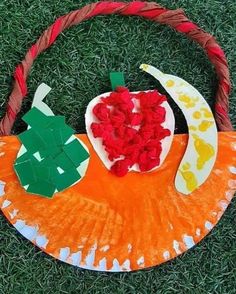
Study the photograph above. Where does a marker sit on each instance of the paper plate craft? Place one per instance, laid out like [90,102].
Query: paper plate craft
[129,194]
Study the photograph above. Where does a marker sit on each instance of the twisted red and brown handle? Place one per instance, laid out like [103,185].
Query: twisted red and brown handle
[150,10]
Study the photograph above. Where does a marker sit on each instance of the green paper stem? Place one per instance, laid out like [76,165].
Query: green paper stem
[117,79]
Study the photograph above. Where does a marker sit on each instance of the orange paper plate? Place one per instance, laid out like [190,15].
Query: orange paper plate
[120,224]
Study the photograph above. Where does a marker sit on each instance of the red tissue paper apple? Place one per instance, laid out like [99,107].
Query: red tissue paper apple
[130,131]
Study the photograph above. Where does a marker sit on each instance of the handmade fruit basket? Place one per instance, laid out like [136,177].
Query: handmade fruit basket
[129,194]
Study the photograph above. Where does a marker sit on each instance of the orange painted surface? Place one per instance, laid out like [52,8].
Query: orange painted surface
[140,217]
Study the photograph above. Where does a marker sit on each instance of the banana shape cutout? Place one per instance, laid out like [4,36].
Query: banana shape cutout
[200,155]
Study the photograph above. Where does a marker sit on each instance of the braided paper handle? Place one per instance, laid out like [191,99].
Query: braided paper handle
[150,10]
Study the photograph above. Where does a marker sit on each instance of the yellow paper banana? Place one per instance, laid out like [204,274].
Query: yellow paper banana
[200,155]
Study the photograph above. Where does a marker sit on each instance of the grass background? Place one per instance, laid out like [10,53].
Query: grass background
[77,68]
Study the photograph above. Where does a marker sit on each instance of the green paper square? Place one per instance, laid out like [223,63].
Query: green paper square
[42,188]
[62,135]
[66,133]
[53,173]
[66,179]
[25,172]
[23,157]
[49,163]
[27,157]
[35,118]
[76,152]
[57,137]
[56,122]
[53,152]
[31,140]
[42,172]
[47,137]
[63,161]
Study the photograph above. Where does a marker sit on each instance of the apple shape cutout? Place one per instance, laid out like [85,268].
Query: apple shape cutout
[110,105]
